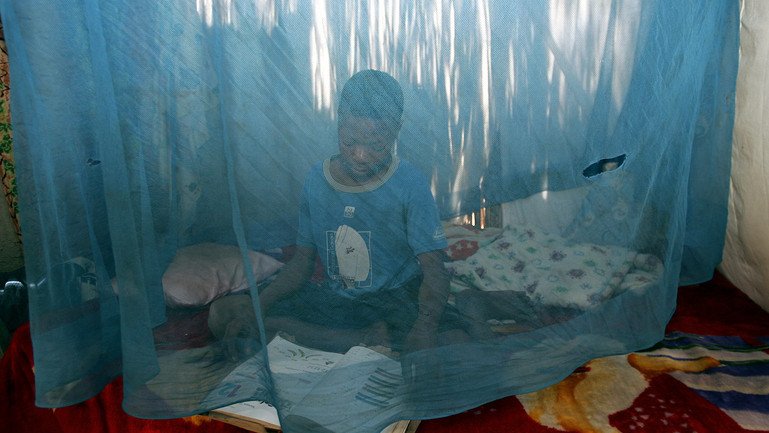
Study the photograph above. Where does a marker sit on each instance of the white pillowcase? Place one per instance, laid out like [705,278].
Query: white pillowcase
[201,273]
[551,211]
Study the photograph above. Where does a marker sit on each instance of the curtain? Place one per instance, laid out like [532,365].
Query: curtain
[166,151]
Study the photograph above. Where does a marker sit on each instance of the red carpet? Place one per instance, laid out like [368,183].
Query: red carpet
[101,414]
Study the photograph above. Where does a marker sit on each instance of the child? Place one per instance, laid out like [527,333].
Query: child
[373,222]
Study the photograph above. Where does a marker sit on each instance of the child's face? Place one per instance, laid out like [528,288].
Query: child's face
[365,146]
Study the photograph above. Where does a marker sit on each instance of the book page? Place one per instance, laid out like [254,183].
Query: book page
[293,367]
[364,384]
[329,388]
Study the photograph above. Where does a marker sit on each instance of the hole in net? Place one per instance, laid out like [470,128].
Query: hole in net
[604,165]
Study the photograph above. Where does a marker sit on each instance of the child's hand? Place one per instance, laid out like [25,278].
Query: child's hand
[232,321]
[420,337]
[240,340]
[417,364]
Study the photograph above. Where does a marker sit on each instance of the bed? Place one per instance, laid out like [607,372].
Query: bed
[553,256]
[548,261]
[543,276]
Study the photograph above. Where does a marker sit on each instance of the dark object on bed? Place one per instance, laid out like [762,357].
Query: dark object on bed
[14,304]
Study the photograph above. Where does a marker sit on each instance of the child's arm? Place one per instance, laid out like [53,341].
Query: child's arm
[297,272]
[433,295]
[232,319]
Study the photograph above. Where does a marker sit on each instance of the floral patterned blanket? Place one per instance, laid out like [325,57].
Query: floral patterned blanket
[550,270]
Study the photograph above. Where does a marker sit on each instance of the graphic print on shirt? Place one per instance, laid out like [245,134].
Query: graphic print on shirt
[348,258]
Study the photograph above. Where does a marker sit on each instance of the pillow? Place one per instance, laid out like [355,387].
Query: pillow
[550,211]
[609,214]
[204,272]
[465,240]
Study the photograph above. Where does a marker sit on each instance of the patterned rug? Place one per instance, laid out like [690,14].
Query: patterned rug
[710,374]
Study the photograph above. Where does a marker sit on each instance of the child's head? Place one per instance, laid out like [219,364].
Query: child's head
[373,95]
[370,114]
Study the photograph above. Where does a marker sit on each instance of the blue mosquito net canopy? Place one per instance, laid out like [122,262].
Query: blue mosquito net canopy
[354,212]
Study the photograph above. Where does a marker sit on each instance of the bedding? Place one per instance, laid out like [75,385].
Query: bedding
[551,271]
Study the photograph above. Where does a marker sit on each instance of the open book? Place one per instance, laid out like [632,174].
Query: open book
[330,389]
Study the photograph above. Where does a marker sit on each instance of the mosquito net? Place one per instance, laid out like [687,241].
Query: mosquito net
[360,211]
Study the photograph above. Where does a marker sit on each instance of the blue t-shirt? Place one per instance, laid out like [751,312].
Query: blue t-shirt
[368,236]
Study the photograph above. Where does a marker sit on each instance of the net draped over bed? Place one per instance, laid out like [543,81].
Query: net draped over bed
[162,149]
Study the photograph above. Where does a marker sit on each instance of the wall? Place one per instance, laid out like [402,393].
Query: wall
[10,247]
[746,251]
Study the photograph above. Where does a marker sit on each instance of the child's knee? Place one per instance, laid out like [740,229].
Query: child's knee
[470,303]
